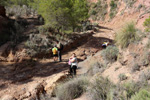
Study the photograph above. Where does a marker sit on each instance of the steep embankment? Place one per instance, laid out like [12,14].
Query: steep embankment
[130,58]
[132,64]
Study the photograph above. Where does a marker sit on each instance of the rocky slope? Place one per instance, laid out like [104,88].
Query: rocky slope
[30,79]
[126,11]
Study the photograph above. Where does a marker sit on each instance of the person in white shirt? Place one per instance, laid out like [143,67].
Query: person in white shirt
[74,64]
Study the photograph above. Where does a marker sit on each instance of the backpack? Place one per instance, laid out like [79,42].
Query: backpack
[61,46]
[54,51]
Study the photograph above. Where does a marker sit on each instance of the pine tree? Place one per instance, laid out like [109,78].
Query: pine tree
[62,13]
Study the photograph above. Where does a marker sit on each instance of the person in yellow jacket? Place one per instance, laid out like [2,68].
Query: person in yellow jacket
[105,44]
[55,53]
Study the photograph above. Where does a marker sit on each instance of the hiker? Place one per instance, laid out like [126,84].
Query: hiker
[60,48]
[69,63]
[105,44]
[55,55]
[74,62]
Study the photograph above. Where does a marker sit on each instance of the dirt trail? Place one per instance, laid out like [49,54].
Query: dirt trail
[18,81]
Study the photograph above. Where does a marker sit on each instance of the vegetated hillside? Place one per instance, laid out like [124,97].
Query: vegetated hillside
[115,13]
[121,71]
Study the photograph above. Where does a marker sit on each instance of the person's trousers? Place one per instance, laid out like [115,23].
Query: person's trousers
[59,55]
[73,69]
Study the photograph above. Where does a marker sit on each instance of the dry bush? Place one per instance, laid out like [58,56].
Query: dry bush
[100,88]
[96,67]
[145,58]
[144,76]
[19,11]
[110,53]
[72,89]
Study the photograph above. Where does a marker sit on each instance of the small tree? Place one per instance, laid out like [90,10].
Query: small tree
[62,14]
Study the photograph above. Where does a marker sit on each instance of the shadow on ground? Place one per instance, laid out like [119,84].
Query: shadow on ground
[23,72]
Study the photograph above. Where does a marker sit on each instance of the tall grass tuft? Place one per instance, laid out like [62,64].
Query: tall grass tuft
[127,35]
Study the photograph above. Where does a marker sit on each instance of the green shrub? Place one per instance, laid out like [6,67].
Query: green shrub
[113,5]
[122,77]
[72,89]
[126,36]
[110,53]
[113,10]
[98,10]
[93,12]
[100,88]
[141,95]
[147,24]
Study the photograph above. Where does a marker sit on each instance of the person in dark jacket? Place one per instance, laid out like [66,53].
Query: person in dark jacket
[60,47]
